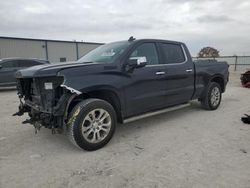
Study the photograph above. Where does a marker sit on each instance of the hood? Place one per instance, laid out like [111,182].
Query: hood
[48,70]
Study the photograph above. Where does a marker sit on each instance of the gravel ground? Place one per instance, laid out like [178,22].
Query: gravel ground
[190,147]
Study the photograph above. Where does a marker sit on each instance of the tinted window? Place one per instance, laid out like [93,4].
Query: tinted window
[28,63]
[10,64]
[172,53]
[147,50]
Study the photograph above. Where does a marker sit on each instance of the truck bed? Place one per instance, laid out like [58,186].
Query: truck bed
[205,70]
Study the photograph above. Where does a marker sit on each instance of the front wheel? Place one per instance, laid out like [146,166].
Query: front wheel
[212,98]
[91,124]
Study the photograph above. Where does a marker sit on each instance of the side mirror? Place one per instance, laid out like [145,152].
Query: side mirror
[137,62]
[1,66]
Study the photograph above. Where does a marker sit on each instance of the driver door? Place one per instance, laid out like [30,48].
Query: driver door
[145,90]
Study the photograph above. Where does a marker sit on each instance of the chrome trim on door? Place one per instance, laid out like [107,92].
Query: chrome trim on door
[160,73]
[189,70]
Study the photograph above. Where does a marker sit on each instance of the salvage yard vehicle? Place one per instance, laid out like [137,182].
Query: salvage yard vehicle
[245,79]
[9,66]
[117,82]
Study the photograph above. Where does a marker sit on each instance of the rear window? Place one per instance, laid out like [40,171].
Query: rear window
[172,53]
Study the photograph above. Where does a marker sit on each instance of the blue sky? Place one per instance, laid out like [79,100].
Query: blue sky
[224,25]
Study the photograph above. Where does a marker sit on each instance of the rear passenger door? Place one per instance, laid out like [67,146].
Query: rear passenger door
[179,73]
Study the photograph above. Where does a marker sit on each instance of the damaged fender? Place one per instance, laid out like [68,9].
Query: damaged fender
[72,90]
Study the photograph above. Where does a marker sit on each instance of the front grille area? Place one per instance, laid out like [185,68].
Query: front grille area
[35,95]
[24,87]
[33,89]
[40,103]
[29,92]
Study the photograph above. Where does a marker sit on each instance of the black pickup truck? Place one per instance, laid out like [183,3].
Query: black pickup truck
[117,82]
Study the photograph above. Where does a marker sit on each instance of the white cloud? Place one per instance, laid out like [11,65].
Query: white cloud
[223,25]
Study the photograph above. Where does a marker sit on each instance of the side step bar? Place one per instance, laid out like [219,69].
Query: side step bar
[134,118]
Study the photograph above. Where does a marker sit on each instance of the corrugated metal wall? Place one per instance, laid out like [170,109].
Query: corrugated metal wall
[57,50]
[54,51]
[22,48]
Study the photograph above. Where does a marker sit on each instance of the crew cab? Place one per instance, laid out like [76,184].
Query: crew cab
[117,82]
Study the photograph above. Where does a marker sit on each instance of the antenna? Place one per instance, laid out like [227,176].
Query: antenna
[131,39]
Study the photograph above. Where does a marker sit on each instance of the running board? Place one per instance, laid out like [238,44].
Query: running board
[134,118]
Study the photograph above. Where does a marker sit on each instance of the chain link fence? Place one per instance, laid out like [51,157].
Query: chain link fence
[237,63]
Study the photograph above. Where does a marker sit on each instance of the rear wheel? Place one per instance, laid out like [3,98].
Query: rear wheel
[91,124]
[212,98]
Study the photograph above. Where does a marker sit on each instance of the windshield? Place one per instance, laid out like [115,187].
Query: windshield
[106,53]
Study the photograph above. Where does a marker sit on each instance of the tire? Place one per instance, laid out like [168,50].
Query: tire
[91,124]
[212,98]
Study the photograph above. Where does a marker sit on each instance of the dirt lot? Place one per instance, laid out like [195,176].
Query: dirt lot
[190,147]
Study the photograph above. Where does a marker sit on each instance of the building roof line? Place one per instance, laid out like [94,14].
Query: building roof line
[49,40]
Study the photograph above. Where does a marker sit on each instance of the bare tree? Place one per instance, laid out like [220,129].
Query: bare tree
[208,52]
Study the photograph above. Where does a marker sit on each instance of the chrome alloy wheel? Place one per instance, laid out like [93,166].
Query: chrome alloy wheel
[215,96]
[96,125]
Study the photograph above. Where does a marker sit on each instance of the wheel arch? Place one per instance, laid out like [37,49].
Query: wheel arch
[104,93]
[219,80]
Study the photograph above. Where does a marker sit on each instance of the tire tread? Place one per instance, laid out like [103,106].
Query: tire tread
[71,126]
[205,101]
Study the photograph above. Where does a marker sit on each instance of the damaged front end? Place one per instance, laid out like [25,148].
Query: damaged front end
[46,100]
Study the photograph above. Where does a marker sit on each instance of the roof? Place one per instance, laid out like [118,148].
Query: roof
[49,40]
[159,40]
[21,58]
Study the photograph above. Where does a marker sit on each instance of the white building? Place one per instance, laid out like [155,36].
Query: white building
[52,50]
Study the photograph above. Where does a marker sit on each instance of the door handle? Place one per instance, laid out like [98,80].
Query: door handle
[160,73]
[189,70]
